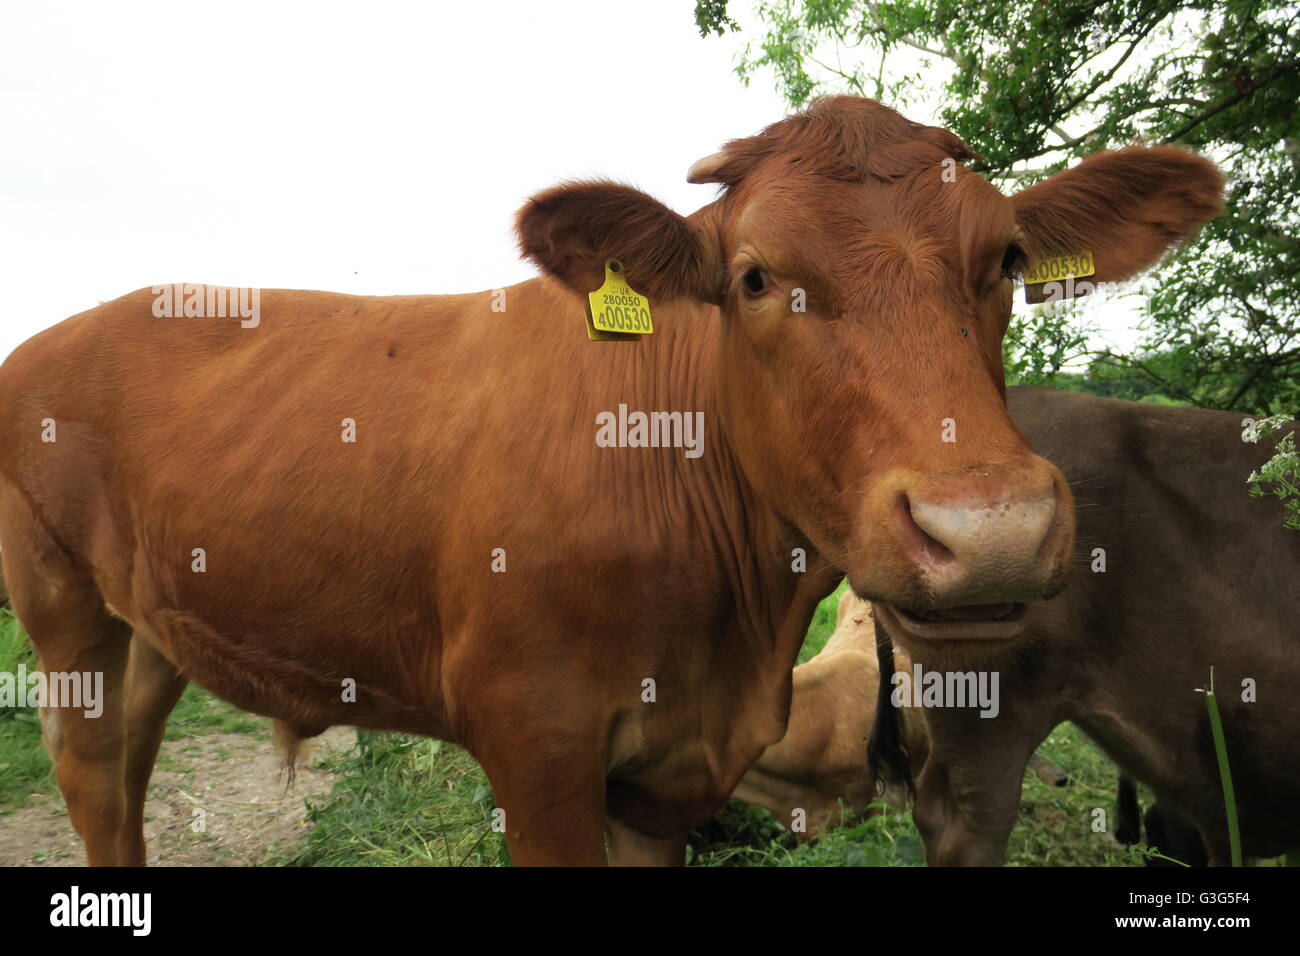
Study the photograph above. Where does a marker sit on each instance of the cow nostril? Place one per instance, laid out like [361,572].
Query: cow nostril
[1057,526]
[924,547]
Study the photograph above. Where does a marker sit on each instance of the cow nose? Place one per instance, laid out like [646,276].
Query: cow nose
[984,538]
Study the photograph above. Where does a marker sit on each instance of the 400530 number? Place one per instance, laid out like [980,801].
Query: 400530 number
[623,317]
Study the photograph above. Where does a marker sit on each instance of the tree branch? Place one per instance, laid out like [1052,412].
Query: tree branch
[1233,100]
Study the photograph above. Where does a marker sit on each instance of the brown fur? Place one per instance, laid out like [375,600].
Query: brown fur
[842,138]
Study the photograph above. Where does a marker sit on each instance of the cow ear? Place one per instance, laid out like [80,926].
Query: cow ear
[570,230]
[1127,207]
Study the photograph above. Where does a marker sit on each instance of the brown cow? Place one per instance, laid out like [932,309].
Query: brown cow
[834,314]
[816,775]
[1196,574]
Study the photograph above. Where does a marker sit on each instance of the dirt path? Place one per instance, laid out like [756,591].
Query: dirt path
[233,780]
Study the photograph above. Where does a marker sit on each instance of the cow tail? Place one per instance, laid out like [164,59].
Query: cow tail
[888,760]
[288,744]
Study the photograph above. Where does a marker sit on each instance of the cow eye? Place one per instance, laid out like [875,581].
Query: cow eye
[1013,261]
[756,281]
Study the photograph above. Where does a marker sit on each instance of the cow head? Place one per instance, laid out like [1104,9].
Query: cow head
[864,279]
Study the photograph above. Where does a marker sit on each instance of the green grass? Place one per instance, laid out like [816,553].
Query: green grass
[1056,825]
[401,802]
[822,625]
[744,835]
[198,712]
[1225,772]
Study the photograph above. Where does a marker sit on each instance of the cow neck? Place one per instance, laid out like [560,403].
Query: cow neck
[708,501]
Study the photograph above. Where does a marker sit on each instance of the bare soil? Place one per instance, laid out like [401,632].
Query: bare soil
[236,784]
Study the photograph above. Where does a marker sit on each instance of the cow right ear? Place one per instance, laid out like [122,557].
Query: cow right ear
[572,229]
[1127,207]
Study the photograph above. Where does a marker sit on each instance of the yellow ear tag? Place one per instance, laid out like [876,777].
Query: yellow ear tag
[1053,278]
[616,312]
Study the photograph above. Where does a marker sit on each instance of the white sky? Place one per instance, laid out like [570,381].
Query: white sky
[372,147]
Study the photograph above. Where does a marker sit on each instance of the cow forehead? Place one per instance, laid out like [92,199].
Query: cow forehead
[823,226]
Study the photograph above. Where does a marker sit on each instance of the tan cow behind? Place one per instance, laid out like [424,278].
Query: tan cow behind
[815,777]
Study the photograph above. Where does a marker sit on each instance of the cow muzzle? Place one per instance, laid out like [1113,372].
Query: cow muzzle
[963,552]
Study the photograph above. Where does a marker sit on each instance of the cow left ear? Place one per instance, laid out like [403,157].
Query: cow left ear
[1126,207]
[570,230]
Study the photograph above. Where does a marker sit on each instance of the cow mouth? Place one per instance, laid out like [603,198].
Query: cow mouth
[971,622]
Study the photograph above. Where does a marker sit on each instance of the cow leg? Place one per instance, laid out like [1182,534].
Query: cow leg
[548,779]
[55,597]
[629,847]
[153,686]
[552,814]
[968,794]
[966,821]
[76,635]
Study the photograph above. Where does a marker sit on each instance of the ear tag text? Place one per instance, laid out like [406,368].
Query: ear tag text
[1053,277]
[615,311]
